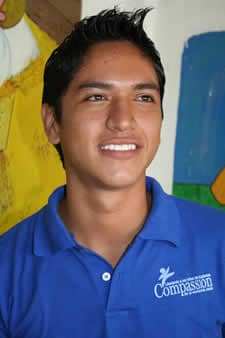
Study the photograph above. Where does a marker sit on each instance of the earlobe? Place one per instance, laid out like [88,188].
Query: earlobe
[51,126]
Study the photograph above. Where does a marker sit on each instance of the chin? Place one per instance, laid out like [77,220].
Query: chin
[118,182]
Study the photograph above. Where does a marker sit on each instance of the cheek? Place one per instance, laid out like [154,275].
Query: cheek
[152,131]
[82,131]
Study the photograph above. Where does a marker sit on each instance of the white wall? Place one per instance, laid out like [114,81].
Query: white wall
[90,7]
[170,25]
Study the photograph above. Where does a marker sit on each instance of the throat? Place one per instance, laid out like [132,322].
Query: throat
[111,251]
[107,234]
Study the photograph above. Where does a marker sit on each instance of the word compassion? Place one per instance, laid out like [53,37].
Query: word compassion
[184,287]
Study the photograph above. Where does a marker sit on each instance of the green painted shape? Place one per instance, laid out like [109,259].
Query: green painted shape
[197,193]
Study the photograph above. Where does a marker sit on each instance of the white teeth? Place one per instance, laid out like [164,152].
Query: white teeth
[119,147]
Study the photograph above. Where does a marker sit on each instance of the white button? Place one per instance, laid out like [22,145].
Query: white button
[106,276]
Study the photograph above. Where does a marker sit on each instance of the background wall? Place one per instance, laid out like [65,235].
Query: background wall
[174,24]
[55,17]
[29,166]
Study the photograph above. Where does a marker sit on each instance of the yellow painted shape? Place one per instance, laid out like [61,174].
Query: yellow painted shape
[218,187]
[6,107]
[5,192]
[30,168]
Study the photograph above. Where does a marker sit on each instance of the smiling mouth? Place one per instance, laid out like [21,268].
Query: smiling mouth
[119,147]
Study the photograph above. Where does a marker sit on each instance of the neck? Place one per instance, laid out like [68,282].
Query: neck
[105,221]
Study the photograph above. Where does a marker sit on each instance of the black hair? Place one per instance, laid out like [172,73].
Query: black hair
[109,25]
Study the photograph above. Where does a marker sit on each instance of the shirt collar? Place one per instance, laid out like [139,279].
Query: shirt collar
[163,222]
[51,235]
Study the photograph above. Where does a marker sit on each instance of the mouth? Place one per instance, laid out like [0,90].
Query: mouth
[120,151]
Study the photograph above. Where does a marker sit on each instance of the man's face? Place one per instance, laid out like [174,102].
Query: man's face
[111,117]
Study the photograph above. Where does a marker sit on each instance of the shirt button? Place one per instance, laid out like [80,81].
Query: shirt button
[106,276]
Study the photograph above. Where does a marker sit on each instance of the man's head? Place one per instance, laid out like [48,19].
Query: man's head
[108,26]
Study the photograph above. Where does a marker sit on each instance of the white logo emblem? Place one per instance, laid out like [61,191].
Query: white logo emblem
[165,274]
[182,287]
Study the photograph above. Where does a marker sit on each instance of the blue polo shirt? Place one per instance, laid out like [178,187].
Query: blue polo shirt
[169,283]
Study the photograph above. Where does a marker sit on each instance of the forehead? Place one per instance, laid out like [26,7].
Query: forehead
[117,60]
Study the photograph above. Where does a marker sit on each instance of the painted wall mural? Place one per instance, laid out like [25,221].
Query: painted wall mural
[199,168]
[29,166]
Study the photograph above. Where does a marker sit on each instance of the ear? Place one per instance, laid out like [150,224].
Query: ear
[50,123]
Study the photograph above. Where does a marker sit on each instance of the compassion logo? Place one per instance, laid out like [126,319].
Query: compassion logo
[183,287]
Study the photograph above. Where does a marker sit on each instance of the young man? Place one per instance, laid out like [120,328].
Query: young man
[111,255]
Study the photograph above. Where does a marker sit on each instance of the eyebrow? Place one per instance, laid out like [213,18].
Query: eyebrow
[105,85]
[100,85]
[147,85]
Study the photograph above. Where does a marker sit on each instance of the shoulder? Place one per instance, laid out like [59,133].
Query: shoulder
[17,241]
[16,254]
[195,210]
[198,218]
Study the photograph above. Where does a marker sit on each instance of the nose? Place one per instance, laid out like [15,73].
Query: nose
[120,115]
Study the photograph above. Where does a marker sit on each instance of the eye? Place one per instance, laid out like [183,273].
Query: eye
[144,98]
[96,97]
